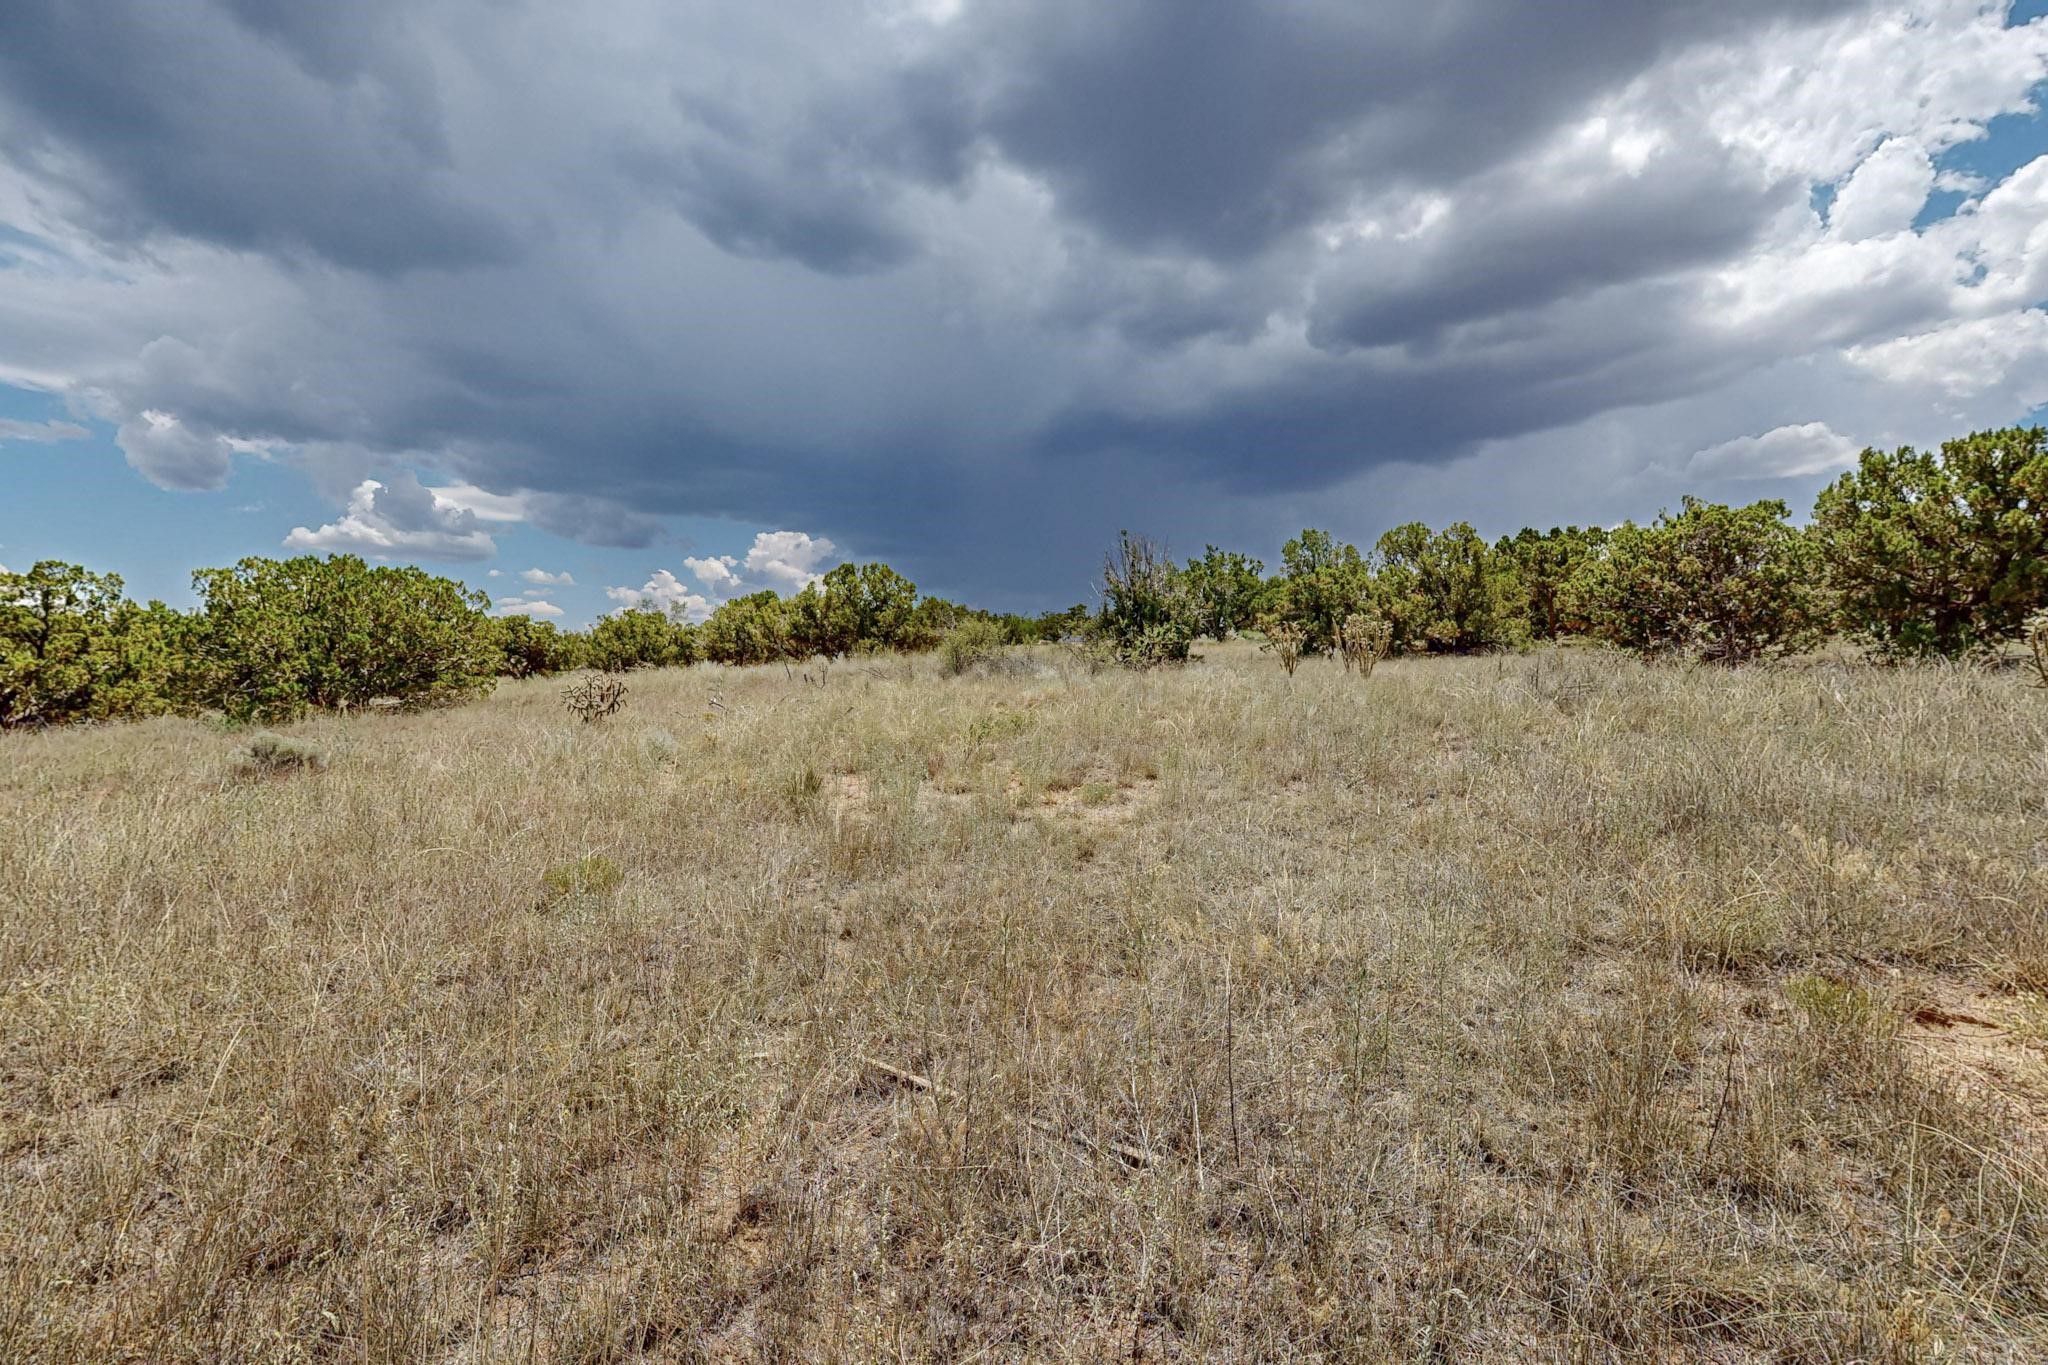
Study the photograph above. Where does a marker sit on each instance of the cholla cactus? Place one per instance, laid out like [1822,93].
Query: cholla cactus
[2037,640]
[595,698]
[1285,641]
[1365,640]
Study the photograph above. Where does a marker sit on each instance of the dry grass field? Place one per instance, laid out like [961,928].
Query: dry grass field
[1549,1007]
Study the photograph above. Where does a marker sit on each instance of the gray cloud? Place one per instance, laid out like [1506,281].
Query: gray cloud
[399,519]
[252,124]
[969,292]
[175,453]
[1590,231]
[594,521]
[40,433]
[820,184]
[1219,127]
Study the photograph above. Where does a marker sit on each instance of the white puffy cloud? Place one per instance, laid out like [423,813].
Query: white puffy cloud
[1885,193]
[788,559]
[715,573]
[399,518]
[1782,452]
[542,576]
[782,560]
[1966,359]
[665,591]
[511,607]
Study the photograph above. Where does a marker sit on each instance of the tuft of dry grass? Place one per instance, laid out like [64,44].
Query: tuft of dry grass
[1545,1007]
[271,755]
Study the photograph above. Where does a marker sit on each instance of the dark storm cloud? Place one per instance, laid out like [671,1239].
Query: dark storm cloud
[1534,243]
[957,285]
[823,191]
[594,521]
[253,124]
[769,206]
[1216,127]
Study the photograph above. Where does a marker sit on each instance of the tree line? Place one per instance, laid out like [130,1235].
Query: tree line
[274,638]
[1913,553]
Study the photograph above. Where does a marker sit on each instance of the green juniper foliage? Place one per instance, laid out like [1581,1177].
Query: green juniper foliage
[1448,592]
[532,649]
[1055,626]
[1322,581]
[1227,589]
[754,629]
[276,637]
[72,648]
[853,607]
[1546,562]
[639,637]
[1726,584]
[1938,553]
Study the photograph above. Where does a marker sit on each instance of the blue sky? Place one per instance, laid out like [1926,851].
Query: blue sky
[79,500]
[697,298]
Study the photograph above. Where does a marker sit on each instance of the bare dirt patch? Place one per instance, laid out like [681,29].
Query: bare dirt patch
[1979,1042]
[1098,800]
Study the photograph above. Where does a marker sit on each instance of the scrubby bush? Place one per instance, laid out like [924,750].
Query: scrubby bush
[1156,647]
[661,747]
[931,620]
[1226,591]
[1322,582]
[755,629]
[1285,640]
[853,607]
[274,637]
[531,649]
[1918,554]
[1725,584]
[638,637]
[1448,592]
[1546,562]
[1940,553]
[72,648]
[1148,618]
[969,643]
[1056,626]
[271,755]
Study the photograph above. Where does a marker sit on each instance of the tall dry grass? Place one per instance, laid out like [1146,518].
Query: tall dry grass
[1539,1008]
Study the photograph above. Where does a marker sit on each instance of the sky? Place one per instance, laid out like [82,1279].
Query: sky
[685,299]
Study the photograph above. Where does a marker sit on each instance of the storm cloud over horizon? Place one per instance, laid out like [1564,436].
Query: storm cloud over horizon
[965,284]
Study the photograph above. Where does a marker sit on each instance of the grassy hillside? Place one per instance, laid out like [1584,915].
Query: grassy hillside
[1548,1007]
